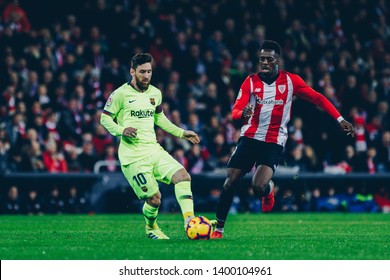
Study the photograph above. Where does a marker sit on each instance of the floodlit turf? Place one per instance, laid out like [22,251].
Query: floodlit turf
[271,236]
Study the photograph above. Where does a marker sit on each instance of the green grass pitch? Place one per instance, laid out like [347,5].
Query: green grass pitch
[247,237]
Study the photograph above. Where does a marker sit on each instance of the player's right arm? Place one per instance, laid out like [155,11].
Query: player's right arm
[111,110]
[107,120]
[241,109]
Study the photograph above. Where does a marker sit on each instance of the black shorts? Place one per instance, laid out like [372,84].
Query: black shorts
[250,151]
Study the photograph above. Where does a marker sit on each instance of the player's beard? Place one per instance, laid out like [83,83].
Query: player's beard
[271,73]
[142,85]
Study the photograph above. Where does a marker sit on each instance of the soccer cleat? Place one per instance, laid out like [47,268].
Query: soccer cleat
[187,220]
[267,202]
[155,233]
[213,223]
[216,235]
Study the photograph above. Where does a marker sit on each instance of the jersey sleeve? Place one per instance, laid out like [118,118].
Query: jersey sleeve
[111,110]
[304,91]
[162,121]
[113,103]
[242,99]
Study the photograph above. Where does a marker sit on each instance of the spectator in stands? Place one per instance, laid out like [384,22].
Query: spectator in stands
[310,199]
[211,129]
[16,129]
[384,152]
[5,147]
[54,160]
[12,203]
[330,202]
[87,157]
[198,160]
[71,122]
[72,159]
[295,132]
[312,164]
[358,202]
[113,74]
[351,158]
[32,159]
[16,17]
[34,204]
[287,201]
[179,155]
[54,203]
[101,140]
[111,159]
[76,202]
[360,142]
[220,150]
[296,158]
[382,199]
[369,162]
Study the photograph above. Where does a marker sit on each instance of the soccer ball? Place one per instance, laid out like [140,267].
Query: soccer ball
[199,228]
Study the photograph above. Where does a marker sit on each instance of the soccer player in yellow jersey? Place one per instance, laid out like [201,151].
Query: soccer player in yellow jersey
[136,106]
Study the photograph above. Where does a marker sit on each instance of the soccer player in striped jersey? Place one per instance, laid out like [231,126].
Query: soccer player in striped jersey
[136,106]
[264,105]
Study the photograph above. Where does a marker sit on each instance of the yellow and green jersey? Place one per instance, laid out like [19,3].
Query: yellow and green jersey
[140,110]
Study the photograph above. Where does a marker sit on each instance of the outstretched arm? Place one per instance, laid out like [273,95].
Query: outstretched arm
[302,90]
[162,121]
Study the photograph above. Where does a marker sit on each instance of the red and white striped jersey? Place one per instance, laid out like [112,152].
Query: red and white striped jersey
[272,105]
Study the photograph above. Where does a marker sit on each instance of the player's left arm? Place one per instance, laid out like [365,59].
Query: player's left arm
[162,121]
[304,91]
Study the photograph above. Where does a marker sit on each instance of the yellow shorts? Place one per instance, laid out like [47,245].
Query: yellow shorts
[142,174]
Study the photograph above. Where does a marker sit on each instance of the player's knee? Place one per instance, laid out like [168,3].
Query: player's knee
[260,188]
[229,184]
[181,176]
[186,176]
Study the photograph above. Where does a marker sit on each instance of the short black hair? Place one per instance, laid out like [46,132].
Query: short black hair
[271,45]
[140,58]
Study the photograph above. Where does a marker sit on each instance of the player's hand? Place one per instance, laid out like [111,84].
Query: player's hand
[191,136]
[130,132]
[247,112]
[348,127]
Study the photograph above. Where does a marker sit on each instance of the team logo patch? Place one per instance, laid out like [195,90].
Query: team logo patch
[109,101]
[282,88]
[152,101]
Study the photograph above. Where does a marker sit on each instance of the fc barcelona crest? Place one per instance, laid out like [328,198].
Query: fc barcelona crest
[282,88]
[152,101]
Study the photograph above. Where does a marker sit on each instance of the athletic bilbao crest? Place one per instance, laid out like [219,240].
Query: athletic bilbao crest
[282,88]
[152,101]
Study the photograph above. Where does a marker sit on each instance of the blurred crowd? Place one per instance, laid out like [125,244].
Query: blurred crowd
[58,68]
[35,201]
[350,198]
